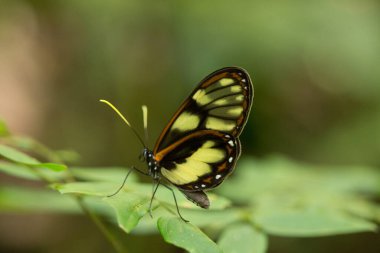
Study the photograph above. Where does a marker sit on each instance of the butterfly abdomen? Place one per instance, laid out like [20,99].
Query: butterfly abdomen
[199,198]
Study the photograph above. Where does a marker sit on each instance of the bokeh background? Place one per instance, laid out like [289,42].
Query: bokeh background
[314,65]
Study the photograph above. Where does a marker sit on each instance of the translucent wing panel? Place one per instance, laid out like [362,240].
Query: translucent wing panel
[221,102]
[200,161]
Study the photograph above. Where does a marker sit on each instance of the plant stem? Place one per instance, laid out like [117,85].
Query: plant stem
[102,227]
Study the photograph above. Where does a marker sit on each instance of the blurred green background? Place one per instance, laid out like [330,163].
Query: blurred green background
[314,65]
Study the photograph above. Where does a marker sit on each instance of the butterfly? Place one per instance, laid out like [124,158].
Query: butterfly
[200,145]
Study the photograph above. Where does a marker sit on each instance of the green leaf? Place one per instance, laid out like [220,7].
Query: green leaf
[16,156]
[31,145]
[280,176]
[18,170]
[212,218]
[129,205]
[17,199]
[148,224]
[24,171]
[295,199]
[19,157]
[100,189]
[243,238]
[132,203]
[51,166]
[310,223]
[164,196]
[186,236]
[21,200]
[129,208]
[112,174]
[109,174]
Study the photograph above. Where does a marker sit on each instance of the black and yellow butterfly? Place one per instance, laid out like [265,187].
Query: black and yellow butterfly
[199,146]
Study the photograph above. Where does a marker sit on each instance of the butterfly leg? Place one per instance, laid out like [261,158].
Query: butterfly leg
[175,201]
[154,190]
[140,171]
[122,185]
[125,179]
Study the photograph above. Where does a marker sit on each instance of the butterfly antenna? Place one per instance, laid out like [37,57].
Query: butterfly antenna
[145,121]
[124,119]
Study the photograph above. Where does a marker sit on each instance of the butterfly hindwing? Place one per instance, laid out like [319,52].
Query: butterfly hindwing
[221,102]
[201,160]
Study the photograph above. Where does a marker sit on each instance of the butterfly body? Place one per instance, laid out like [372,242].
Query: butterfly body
[199,147]
[153,167]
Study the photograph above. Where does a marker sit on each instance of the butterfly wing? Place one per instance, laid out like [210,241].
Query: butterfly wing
[201,160]
[199,147]
[221,102]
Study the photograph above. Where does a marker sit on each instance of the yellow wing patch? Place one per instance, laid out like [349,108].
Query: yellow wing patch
[226,81]
[227,101]
[201,97]
[199,94]
[236,88]
[220,124]
[214,92]
[186,121]
[208,144]
[186,172]
[208,154]
[230,111]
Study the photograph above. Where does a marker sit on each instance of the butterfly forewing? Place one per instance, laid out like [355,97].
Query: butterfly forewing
[221,102]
